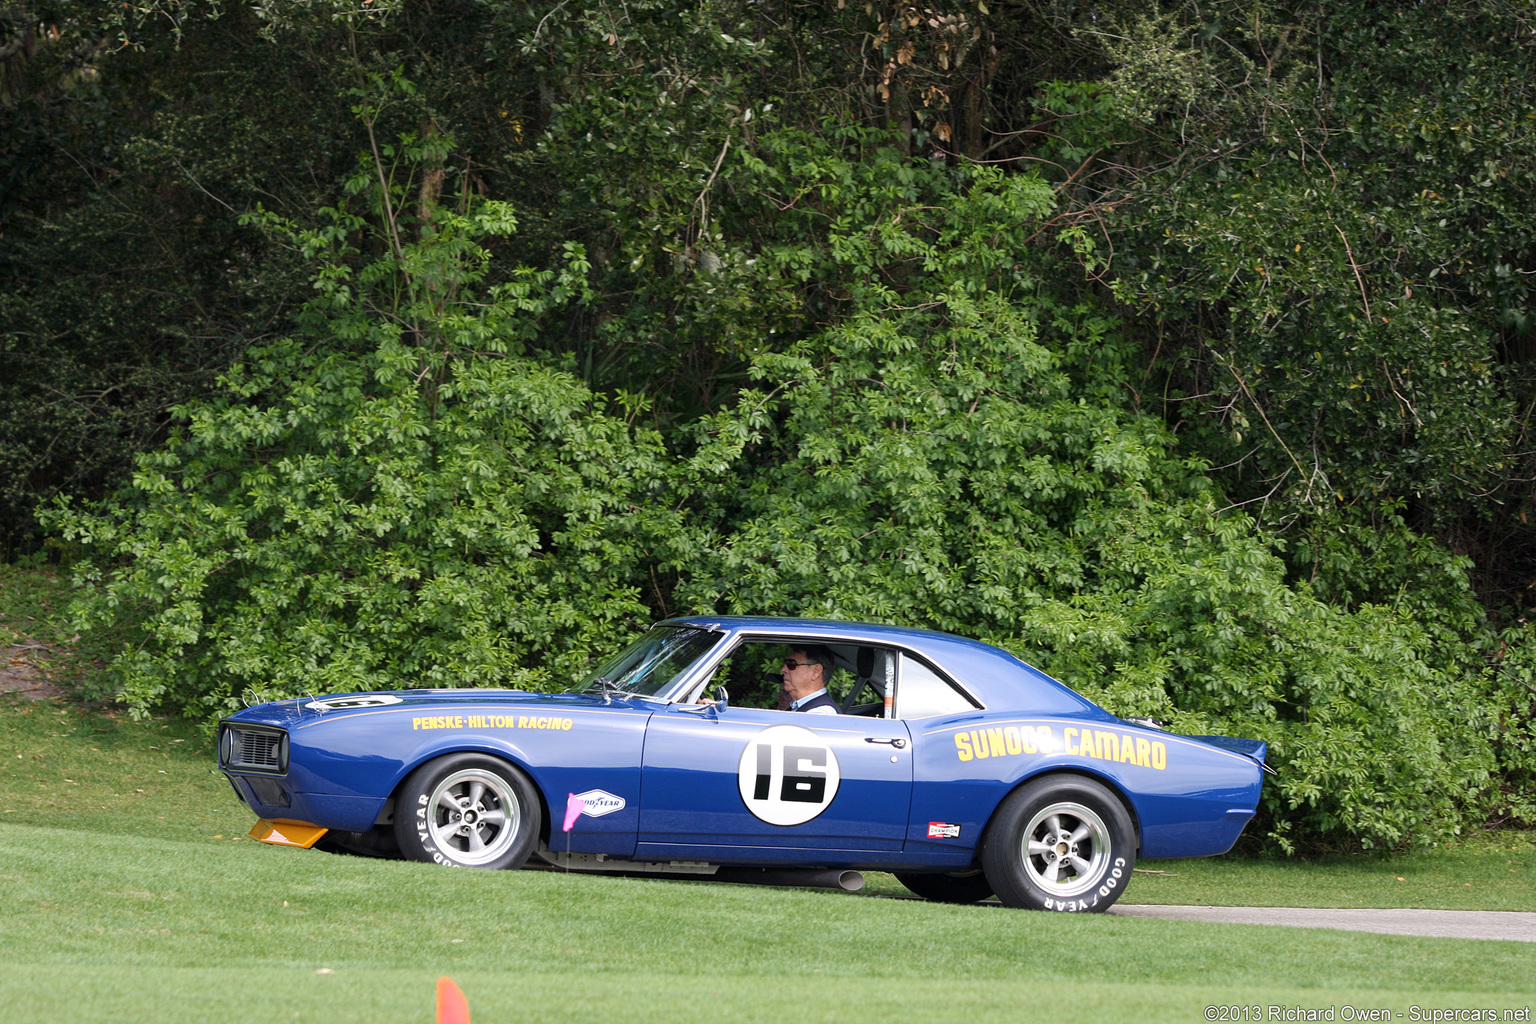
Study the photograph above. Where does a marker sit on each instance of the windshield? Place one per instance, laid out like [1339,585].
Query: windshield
[651,663]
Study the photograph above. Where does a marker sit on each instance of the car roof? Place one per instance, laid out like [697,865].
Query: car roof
[830,628]
[998,678]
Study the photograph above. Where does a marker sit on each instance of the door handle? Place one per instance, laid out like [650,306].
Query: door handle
[894,741]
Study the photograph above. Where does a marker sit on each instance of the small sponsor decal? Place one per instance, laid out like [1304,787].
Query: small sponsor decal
[361,700]
[597,802]
[943,830]
[787,775]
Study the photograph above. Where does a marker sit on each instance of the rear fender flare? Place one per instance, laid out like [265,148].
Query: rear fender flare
[1086,773]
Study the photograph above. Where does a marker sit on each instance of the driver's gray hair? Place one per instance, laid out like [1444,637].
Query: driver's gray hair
[816,654]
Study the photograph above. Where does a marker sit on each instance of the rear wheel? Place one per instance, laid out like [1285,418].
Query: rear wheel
[957,887]
[468,810]
[1063,842]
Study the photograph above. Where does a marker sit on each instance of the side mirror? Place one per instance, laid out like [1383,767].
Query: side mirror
[721,702]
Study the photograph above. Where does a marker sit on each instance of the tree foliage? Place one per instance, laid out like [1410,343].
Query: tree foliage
[395,492]
[1180,350]
[1322,235]
[958,454]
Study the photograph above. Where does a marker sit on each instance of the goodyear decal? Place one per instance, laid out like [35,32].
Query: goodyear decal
[1100,744]
[1112,881]
[491,722]
[597,802]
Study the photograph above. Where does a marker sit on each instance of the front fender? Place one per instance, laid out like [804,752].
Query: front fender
[359,760]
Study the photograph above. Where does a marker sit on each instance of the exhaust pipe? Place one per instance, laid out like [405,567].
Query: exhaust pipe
[811,878]
[589,863]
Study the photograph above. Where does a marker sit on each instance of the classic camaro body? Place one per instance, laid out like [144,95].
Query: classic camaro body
[952,763]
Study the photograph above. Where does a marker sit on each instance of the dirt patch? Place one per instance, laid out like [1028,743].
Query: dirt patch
[23,671]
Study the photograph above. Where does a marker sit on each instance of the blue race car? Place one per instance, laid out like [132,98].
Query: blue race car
[944,760]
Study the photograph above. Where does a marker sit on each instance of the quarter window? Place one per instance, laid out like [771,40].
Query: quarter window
[923,693]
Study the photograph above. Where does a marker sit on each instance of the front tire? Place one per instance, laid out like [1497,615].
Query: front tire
[967,887]
[468,811]
[1063,843]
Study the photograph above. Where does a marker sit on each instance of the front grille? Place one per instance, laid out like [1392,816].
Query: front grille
[257,750]
[248,749]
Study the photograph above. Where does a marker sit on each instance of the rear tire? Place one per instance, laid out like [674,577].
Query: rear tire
[956,887]
[468,811]
[1063,842]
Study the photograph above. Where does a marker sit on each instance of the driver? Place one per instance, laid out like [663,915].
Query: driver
[806,672]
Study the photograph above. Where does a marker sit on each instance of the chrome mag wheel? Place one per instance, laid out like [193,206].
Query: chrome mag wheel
[473,816]
[1066,849]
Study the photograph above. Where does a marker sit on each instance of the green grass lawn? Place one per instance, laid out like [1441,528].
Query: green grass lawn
[131,894]
[33,617]
[138,923]
[1494,871]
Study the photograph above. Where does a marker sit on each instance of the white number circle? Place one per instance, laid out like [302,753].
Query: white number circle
[787,775]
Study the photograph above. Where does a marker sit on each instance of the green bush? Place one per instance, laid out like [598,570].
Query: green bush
[959,454]
[1514,726]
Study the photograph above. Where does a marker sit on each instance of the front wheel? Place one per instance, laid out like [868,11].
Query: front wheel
[468,811]
[1062,842]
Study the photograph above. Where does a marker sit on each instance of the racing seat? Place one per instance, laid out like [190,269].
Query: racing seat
[870,673]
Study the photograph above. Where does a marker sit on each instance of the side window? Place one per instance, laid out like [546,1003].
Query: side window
[753,674]
[861,677]
[922,693]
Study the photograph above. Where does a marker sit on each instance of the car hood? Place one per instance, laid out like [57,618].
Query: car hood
[308,709]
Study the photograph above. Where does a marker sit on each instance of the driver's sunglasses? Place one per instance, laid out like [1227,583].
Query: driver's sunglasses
[792,664]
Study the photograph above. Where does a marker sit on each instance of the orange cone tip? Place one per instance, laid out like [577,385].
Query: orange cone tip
[452,1007]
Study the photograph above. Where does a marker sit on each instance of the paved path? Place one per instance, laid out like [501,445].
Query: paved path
[1507,925]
